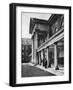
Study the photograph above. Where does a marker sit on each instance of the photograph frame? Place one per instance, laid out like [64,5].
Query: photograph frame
[12,41]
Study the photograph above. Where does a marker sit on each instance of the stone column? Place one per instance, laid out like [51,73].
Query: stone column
[32,49]
[47,35]
[36,39]
[43,57]
[47,57]
[35,45]
[39,58]
[55,57]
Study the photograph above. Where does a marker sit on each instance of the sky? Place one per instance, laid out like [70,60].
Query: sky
[25,17]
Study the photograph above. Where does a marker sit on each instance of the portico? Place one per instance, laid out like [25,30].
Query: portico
[47,49]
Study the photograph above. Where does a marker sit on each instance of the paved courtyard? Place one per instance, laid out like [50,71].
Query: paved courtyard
[28,70]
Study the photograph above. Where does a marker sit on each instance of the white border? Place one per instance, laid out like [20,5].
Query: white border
[65,77]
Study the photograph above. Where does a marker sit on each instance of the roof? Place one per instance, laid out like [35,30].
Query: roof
[33,21]
[50,21]
[53,18]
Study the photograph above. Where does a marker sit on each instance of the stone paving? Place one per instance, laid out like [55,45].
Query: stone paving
[29,70]
[52,70]
[59,72]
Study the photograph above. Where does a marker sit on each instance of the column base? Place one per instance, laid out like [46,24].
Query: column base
[40,64]
[56,68]
[49,66]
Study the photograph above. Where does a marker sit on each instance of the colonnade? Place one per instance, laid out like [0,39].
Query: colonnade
[48,60]
[37,58]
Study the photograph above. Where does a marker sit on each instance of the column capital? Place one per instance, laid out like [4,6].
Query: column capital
[43,49]
[47,47]
[55,43]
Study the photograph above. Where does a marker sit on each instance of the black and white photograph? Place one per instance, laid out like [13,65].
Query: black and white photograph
[41,46]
